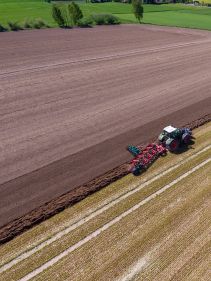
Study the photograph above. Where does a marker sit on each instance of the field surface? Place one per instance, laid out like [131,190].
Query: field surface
[170,14]
[153,227]
[69,109]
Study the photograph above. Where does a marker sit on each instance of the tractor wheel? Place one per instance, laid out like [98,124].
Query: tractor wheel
[172,144]
[186,138]
[136,171]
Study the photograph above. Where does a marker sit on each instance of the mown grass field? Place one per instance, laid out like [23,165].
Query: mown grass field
[169,14]
[170,233]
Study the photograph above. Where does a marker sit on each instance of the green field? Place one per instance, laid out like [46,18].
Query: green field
[168,14]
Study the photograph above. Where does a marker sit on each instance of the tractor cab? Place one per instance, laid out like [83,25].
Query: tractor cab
[171,132]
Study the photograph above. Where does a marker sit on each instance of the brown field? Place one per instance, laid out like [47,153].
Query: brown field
[71,100]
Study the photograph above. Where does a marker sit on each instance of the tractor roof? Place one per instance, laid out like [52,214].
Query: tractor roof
[169,129]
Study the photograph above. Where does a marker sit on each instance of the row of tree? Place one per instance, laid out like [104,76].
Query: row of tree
[71,15]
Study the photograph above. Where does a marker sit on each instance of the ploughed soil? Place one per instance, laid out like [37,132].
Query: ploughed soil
[72,100]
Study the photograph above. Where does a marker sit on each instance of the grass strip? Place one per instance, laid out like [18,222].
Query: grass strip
[167,14]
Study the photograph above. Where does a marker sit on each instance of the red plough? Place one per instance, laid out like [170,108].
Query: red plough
[144,157]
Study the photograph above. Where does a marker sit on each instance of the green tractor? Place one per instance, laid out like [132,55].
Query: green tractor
[173,138]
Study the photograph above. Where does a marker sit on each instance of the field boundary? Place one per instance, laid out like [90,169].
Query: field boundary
[97,232]
[21,224]
[104,207]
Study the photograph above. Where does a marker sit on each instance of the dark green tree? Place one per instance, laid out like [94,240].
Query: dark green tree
[57,15]
[138,9]
[75,13]
[2,28]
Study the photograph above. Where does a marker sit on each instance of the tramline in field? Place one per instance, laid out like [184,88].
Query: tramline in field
[170,139]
